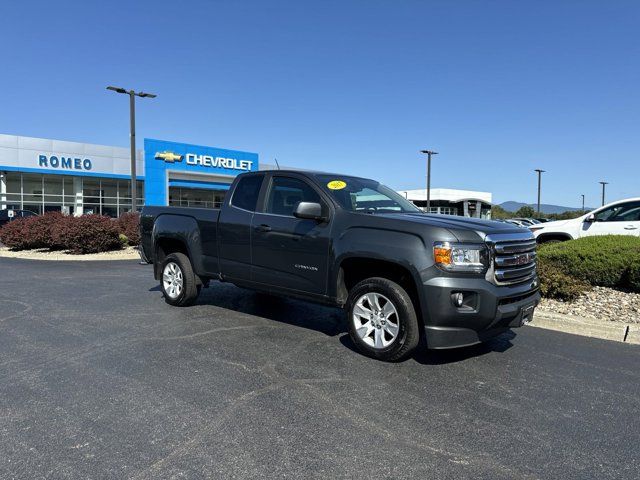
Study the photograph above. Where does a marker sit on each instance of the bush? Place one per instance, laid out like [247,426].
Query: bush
[88,234]
[54,231]
[33,232]
[634,277]
[14,236]
[129,226]
[558,285]
[607,261]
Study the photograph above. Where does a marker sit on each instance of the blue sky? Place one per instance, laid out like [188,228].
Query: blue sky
[497,87]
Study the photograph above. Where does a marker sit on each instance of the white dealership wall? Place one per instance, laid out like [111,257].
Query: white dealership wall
[23,153]
[27,154]
[466,202]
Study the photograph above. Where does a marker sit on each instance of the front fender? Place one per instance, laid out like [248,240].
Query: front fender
[407,250]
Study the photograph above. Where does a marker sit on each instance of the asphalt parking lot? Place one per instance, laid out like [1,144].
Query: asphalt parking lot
[99,378]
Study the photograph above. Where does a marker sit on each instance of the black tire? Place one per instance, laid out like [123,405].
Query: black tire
[189,291]
[408,333]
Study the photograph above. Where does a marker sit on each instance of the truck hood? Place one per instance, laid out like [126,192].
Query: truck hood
[458,225]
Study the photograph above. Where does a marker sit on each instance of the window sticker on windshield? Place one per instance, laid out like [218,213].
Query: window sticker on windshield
[336,185]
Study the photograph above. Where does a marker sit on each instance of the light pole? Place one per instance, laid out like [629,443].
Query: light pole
[582,203]
[540,172]
[429,153]
[603,184]
[132,119]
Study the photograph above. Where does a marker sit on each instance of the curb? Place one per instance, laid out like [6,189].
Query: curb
[618,332]
[53,257]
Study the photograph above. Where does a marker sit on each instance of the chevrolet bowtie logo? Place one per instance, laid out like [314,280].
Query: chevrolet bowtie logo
[168,157]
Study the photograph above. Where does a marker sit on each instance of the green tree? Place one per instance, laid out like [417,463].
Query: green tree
[499,213]
[525,211]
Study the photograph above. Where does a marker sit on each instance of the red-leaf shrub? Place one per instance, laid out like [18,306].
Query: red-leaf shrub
[88,234]
[40,230]
[32,232]
[14,235]
[129,226]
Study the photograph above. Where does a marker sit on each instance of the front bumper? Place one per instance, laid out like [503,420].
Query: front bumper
[494,310]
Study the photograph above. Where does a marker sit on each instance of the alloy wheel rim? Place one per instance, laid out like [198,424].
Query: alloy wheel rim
[376,320]
[172,280]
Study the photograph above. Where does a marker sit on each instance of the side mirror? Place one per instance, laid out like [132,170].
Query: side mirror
[309,210]
[590,219]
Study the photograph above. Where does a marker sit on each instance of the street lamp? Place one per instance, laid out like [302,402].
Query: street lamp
[540,172]
[582,203]
[603,184]
[429,153]
[132,118]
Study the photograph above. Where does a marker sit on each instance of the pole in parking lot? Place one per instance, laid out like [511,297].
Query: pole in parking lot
[583,203]
[132,123]
[429,153]
[603,185]
[540,172]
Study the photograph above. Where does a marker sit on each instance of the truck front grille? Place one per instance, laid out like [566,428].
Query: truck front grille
[514,258]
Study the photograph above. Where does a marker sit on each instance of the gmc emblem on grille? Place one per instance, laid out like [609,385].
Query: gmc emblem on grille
[523,259]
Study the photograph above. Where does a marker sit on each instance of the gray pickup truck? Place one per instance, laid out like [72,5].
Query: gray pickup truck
[402,275]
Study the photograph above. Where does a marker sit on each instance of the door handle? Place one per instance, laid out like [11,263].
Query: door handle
[630,227]
[262,228]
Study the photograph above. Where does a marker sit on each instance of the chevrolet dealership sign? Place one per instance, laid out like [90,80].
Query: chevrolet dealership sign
[168,157]
[205,160]
[172,164]
[218,162]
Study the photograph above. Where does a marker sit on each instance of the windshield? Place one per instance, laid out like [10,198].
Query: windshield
[365,196]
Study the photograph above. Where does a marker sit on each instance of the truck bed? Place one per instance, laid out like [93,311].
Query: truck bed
[196,221]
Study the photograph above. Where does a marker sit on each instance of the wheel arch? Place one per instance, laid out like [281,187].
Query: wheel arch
[546,237]
[177,233]
[353,269]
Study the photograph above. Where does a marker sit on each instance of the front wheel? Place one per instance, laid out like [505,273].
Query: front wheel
[382,320]
[178,281]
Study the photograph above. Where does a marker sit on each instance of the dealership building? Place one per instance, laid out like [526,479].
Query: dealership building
[43,175]
[447,201]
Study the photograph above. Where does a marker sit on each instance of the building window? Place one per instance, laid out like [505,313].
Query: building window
[14,191]
[57,193]
[109,197]
[123,189]
[195,197]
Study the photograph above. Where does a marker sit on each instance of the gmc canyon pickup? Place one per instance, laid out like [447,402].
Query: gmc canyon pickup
[401,275]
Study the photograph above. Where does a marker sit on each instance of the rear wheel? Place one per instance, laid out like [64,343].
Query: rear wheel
[178,281]
[382,320]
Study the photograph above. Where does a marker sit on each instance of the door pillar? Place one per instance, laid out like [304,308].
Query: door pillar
[78,197]
[3,191]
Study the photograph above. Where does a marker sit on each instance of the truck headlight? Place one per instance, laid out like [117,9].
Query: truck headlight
[461,257]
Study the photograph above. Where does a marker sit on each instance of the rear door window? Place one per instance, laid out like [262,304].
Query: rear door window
[245,196]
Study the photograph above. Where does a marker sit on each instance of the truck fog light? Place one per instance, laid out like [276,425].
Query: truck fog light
[457,299]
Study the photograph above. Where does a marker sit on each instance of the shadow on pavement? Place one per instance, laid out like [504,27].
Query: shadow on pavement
[328,320]
[324,319]
[499,344]
[441,357]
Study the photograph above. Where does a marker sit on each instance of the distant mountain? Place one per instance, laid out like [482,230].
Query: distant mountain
[512,206]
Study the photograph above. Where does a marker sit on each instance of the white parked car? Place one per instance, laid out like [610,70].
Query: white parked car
[617,218]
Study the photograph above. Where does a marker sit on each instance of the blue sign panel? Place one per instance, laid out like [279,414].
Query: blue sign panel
[162,157]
